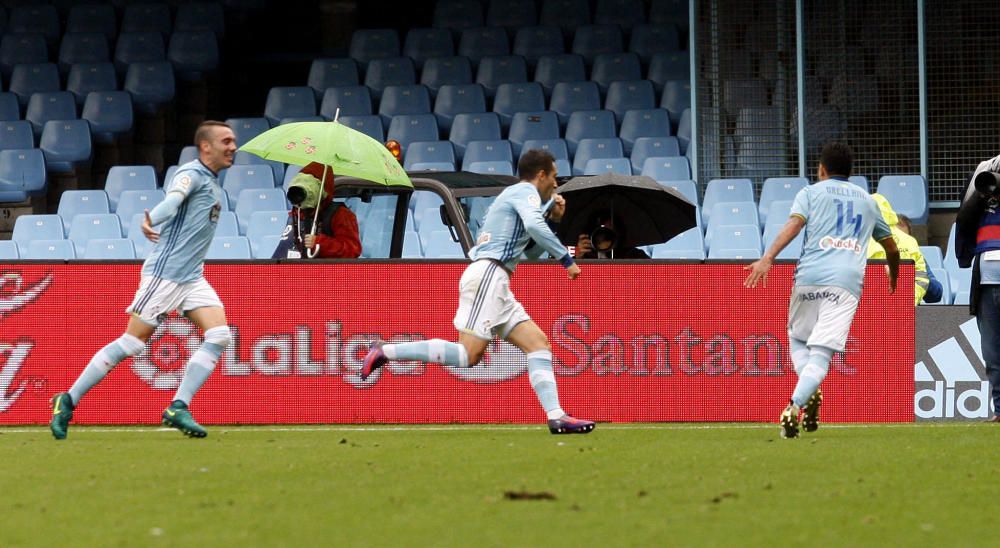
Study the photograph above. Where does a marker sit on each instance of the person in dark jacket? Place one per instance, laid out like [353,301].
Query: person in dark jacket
[337,236]
[604,240]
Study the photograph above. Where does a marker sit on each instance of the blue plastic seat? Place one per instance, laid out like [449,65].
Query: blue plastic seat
[109,249]
[28,79]
[777,213]
[411,245]
[423,201]
[431,166]
[589,124]
[16,135]
[616,67]
[667,66]
[66,144]
[258,199]
[392,71]
[19,49]
[37,227]
[109,114]
[442,71]
[422,152]
[9,250]
[246,129]
[519,97]
[688,189]
[286,102]
[408,99]
[794,248]
[725,190]
[35,19]
[907,194]
[151,85]
[477,43]
[351,100]
[736,242]
[264,246]
[458,99]
[134,233]
[83,48]
[568,15]
[533,43]
[861,181]
[77,202]
[265,223]
[947,293]
[147,18]
[201,16]
[552,69]
[569,97]
[9,109]
[779,189]
[671,168]
[458,14]
[532,125]
[23,172]
[650,40]
[422,44]
[193,53]
[506,69]
[686,245]
[139,47]
[227,224]
[932,256]
[93,18]
[409,128]
[229,248]
[511,14]
[590,41]
[487,151]
[50,250]
[241,177]
[650,147]
[370,125]
[489,168]
[467,127]
[85,78]
[371,44]
[639,123]
[52,105]
[244,158]
[556,147]
[89,226]
[328,72]
[676,98]
[597,166]
[122,178]
[624,96]
[588,149]
[134,202]
[188,153]
[730,213]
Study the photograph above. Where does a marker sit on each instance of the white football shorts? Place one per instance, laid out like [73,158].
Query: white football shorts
[821,315]
[486,307]
[156,298]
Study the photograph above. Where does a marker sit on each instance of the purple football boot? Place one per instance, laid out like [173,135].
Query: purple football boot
[374,359]
[569,425]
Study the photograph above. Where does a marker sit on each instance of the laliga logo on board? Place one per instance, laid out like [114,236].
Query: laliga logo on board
[850,244]
[14,296]
[161,364]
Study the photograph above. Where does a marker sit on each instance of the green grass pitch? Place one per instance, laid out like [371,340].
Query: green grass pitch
[623,485]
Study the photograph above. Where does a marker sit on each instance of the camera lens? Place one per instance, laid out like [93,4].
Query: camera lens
[603,238]
[987,183]
[296,195]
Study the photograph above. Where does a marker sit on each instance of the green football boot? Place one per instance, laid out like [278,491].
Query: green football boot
[810,419]
[178,416]
[62,413]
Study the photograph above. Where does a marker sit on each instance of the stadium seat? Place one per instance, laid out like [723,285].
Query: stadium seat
[458,14]
[534,42]
[489,168]
[665,67]
[961,298]
[409,99]
[440,245]
[133,202]
[684,130]
[961,279]
[99,18]
[568,15]
[9,109]
[569,97]
[597,166]
[507,69]
[511,14]
[532,125]
[351,100]
[422,44]
[19,49]
[431,166]
[468,127]
[229,248]
[734,241]
[371,44]
[188,153]
[411,245]
[34,19]
[590,41]
[422,201]
[556,147]
[240,177]
[406,129]
[83,48]
[725,190]
[777,213]
[686,245]
[617,67]
[589,124]
[29,79]
[23,171]
[730,213]
[89,226]
[38,227]
[369,125]
[861,181]
[134,233]
[635,124]
[258,199]
[624,96]
[52,105]
[587,149]
[650,40]
[50,250]
[201,16]
[429,152]
[331,72]
[458,99]
[688,189]
[286,102]
[85,78]
[122,178]
[227,224]
[139,47]
[520,97]
[907,194]
[480,42]
[552,69]
[442,71]
[66,144]
[392,71]
[77,202]
[16,135]
[779,188]
[651,147]
[147,18]
[109,249]
[624,13]
[9,250]
[246,129]
[244,158]
[151,85]
[263,246]
[487,151]
[109,114]
[676,98]
[193,53]
[947,293]
[794,248]
[932,256]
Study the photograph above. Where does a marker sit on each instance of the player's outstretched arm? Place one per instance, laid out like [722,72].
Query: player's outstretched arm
[163,212]
[892,257]
[759,268]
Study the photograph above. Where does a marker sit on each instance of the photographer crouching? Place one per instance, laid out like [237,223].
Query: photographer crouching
[604,240]
[977,242]
[329,233]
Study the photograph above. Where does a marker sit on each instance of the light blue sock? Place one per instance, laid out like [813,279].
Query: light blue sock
[543,381]
[433,350]
[812,375]
[800,354]
[103,362]
[202,363]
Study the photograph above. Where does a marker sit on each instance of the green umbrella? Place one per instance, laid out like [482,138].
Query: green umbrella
[346,151]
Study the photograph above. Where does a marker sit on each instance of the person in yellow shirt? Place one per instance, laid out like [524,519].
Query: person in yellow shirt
[909,248]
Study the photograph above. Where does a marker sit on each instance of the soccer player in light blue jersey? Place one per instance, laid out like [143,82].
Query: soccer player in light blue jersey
[172,279]
[839,219]
[514,224]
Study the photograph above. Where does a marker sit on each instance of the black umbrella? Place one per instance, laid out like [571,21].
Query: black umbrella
[650,212]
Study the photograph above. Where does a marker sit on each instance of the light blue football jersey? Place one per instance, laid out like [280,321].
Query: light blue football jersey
[840,218]
[512,222]
[179,256]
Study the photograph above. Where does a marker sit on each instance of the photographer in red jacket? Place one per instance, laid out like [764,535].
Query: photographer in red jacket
[337,228]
